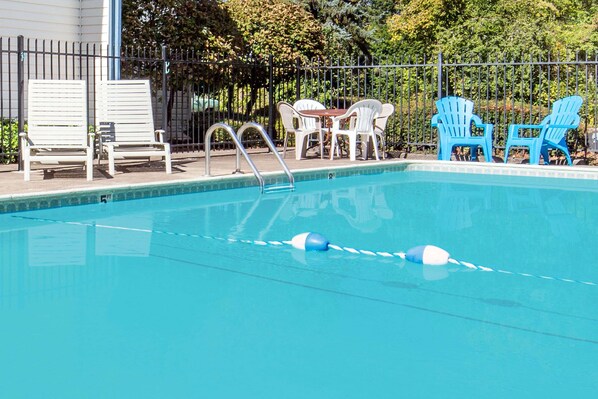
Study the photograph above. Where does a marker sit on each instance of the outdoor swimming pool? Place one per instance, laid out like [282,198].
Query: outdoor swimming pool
[159,298]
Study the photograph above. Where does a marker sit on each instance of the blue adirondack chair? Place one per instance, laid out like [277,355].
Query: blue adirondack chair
[454,121]
[564,116]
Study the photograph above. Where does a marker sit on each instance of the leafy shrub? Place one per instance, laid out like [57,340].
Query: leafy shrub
[9,140]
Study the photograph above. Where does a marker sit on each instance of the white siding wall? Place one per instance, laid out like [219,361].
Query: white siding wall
[41,19]
[94,21]
[66,20]
[95,29]
[55,21]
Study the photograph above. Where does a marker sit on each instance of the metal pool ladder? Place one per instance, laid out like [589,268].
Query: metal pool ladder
[241,150]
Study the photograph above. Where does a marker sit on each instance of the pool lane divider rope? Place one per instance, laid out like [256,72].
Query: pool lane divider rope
[425,254]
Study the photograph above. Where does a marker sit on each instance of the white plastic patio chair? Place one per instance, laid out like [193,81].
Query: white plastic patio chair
[293,123]
[380,125]
[126,122]
[310,123]
[57,125]
[365,112]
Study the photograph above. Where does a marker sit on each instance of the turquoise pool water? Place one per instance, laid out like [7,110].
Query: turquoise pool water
[157,298]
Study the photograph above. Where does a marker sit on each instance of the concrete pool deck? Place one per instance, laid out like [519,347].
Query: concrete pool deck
[186,167]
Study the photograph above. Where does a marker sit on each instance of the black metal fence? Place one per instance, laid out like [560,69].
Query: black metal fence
[192,91]
[504,92]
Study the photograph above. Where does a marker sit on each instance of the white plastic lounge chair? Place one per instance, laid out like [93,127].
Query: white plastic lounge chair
[126,122]
[57,125]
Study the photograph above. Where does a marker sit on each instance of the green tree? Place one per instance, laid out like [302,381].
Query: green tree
[417,25]
[278,28]
[347,25]
[484,27]
[195,27]
[186,24]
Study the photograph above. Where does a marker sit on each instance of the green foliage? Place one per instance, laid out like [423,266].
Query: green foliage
[465,31]
[417,25]
[347,25]
[9,140]
[278,28]
[214,35]
[184,24]
[186,27]
[484,27]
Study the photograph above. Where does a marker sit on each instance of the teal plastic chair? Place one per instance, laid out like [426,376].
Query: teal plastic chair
[454,121]
[564,116]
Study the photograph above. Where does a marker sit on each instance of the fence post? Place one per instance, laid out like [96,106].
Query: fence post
[440,75]
[165,72]
[298,79]
[20,92]
[271,96]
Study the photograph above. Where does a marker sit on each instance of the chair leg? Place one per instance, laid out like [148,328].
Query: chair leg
[488,155]
[111,168]
[375,144]
[89,165]
[167,159]
[534,155]
[299,146]
[473,152]
[568,158]
[488,150]
[507,148]
[321,136]
[27,165]
[333,145]
[446,152]
[284,145]
[352,147]
[562,145]
[545,155]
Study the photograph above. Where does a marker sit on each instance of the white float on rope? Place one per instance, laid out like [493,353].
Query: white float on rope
[310,242]
[427,255]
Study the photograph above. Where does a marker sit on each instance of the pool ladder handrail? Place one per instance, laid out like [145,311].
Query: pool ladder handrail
[241,150]
[270,144]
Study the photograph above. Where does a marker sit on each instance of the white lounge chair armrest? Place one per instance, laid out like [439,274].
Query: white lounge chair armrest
[302,115]
[24,139]
[343,116]
[160,135]
[299,115]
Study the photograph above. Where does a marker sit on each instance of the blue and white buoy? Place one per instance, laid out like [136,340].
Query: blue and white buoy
[310,242]
[427,255]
